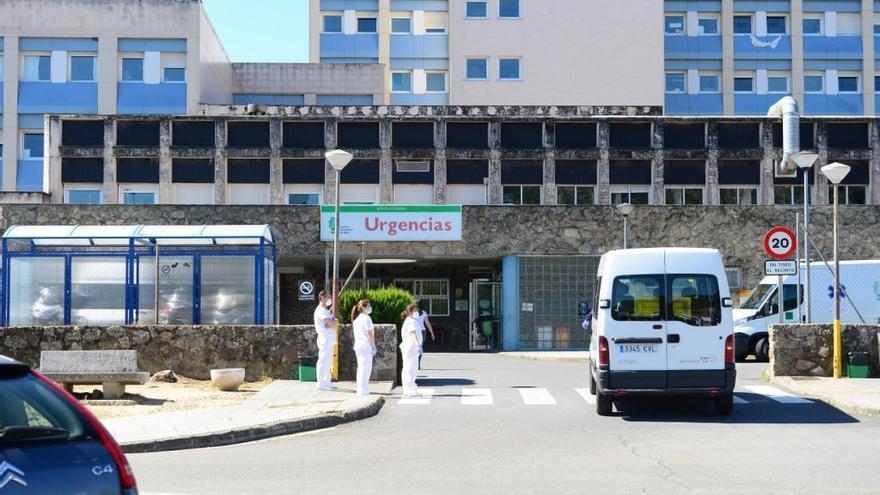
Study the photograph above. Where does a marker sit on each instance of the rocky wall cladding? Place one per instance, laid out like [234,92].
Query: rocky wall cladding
[192,351]
[807,350]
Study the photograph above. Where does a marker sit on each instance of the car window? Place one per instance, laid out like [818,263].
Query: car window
[596,297]
[28,402]
[637,298]
[694,299]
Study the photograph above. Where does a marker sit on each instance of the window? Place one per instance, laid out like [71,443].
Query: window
[637,298]
[743,84]
[636,195]
[508,9]
[436,22]
[1,67]
[138,198]
[877,84]
[435,82]
[776,24]
[431,294]
[734,277]
[476,10]
[674,24]
[401,82]
[777,84]
[675,82]
[82,68]
[174,74]
[508,68]
[812,26]
[788,195]
[848,24]
[710,84]
[133,69]
[332,23]
[477,68]
[849,195]
[742,24]
[848,84]
[401,25]
[304,199]
[814,84]
[522,195]
[876,29]
[413,167]
[37,68]
[739,196]
[575,195]
[694,299]
[84,197]
[708,26]
[684,196]
[32,146]
[366,24]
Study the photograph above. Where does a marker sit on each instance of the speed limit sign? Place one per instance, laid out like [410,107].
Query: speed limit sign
[779,242]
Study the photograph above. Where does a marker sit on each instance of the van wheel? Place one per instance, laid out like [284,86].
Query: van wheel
[724,405]
[604,405]
[592,384]
[762,350]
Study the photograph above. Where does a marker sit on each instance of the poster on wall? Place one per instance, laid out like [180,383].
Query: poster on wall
[393,223]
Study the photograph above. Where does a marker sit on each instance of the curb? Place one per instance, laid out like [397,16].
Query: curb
[547,359]
[829,400]
[258,432]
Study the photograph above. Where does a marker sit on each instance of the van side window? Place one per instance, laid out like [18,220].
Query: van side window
[638,298]
[694,299]
[596,298]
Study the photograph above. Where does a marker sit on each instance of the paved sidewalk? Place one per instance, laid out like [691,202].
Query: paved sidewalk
[854,395]
[283,408]
[556,356]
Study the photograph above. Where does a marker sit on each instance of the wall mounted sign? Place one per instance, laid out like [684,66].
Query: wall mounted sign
[427,223]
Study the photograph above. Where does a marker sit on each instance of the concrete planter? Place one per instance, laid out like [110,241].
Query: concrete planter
[227,379]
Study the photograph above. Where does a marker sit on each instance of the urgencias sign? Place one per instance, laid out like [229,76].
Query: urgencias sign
[393,223]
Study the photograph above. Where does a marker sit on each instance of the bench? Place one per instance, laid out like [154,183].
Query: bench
[113,370]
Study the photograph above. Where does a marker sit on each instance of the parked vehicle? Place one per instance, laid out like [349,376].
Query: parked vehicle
[662,325]
[860,282]
[50,443]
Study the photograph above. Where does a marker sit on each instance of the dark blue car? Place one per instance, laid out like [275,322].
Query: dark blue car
[51,444]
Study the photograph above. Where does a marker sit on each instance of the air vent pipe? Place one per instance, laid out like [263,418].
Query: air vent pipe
[787,109]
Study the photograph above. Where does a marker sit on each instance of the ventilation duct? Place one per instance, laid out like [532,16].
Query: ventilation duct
[787,109]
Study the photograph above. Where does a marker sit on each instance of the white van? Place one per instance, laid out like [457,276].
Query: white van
[860,281]
[662,326]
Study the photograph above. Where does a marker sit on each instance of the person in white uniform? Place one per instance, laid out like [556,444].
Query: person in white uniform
[409,349]
[325,326]
[424,326]
[364,344]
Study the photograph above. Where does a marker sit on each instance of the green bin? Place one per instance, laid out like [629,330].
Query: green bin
[857,365]
[308,369]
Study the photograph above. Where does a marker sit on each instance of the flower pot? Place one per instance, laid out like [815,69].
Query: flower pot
[228,379]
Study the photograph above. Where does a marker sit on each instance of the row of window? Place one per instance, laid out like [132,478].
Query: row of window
[745,82]
[401,23]
[814,24]
[402,81]
[479,9]
[477,69]
[84,68]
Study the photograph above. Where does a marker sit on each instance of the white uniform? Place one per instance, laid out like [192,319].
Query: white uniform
[409,349]
[423,329]
[326,341]
[363,350]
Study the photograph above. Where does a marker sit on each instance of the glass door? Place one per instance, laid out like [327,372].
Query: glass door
[485,315]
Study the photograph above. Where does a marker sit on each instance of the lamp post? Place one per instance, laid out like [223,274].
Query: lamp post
[338,160]
[625,209]
[805,161]
[836,172]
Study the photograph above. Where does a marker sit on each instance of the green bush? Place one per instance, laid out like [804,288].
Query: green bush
[387,302]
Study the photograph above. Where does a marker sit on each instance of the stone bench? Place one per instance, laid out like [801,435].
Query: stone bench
[113,370]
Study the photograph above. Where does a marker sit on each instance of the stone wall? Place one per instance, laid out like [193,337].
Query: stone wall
[192,351]
[807,350]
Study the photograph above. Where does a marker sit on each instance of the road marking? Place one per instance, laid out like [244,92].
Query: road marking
[774,393]
[739,400]
[476,397]
[423,400]
[537,397]
[586,395]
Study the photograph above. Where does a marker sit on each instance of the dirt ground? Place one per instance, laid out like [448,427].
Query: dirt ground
[160,397]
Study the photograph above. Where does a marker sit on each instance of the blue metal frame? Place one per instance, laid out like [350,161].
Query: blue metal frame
[132,255]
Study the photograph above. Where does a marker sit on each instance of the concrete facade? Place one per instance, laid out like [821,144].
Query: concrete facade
[310,80]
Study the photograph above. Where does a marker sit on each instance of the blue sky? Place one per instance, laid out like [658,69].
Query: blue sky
[262,30]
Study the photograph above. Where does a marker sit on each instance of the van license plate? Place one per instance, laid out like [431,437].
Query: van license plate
[637,348]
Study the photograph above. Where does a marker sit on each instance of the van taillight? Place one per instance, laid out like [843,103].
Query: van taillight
[728,350]
[603,352]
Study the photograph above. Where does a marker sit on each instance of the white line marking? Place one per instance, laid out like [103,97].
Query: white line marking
[586,395]
[537,397]
[774,393]
[739,400]
[425,398]
[476,397]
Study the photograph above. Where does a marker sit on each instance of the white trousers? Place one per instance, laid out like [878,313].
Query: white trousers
[365,367]
[410,369]
[326,341]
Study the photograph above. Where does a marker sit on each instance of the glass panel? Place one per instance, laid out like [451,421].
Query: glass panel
[84,197]
[139,198]
[748,196]
[782,195]
[775,25]
[618,198]
[37,68]
[132,69]
[673,197]
[742,84]
[512,195]
[848,84]
[508,8]
[757,296]
[637,298]
[36,291]
[729,196]
[175,74]
[742,24]
[565,195]
[366,25]
[476,9]
[476,68]
[584,195]
[33,146]
[777,84]
[401,82]
[813,84]
[675,82]
[708,26]
[857,195]
[638,198]
[97,291]
[304,199]
[400,25]
[694,299]
[436,82]
[812,26]
[876,84]
[228,290]
[674,24]
[508,68]
[28,402]
[693,196]
[332,23]
[710,84]
[175,289]
[531,195]
[82,68]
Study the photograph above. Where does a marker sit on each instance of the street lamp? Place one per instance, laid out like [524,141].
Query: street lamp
[836,173]
[625,209]
[338,160]
[805,161]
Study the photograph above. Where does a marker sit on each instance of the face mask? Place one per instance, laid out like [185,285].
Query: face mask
[369,310]
[329,303]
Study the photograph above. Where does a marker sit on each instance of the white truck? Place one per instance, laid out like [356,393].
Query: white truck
[860,288]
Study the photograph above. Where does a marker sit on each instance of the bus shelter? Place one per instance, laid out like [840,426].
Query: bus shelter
[106,275]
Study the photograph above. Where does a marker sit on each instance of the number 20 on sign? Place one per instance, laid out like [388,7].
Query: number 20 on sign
[779,243]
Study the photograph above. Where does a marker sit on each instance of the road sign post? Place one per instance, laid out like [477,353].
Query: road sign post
[780,243]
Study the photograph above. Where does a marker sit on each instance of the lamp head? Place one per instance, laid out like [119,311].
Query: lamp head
[625,209]
[805,159]
[338,159]
[835,172]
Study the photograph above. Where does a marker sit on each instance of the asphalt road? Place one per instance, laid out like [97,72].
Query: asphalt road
[525,427]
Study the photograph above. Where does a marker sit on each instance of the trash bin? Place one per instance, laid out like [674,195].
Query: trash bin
[857,365]
[308,369]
